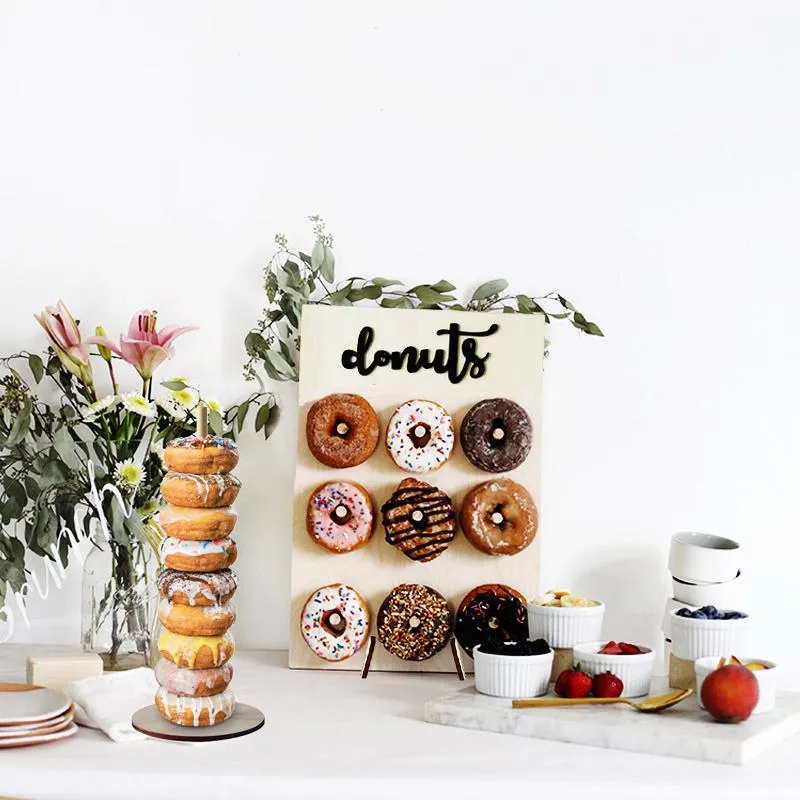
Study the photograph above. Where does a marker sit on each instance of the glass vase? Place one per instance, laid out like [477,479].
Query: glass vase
[118,604]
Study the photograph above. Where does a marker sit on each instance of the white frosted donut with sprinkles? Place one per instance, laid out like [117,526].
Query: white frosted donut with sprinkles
[340,516]
[187,555]
[420,436]
[335,622]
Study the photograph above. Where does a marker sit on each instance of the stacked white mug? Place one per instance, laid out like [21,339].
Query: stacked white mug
[706,571]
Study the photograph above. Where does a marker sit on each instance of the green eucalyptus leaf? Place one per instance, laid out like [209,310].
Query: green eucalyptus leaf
[384,282]
[279,363]
[241,415]
[327,268]
[36,366]
[592,329]
[489,289]
[443,286]
[566,303]
[272,420]
[318,254]
[19,430]
[216,423]
[174,386]
[65,447]
[371,292]
[291,310]
[262,417]
[392,302]
[428,294]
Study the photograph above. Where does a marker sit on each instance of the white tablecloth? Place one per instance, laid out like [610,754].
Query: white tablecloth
[333,735]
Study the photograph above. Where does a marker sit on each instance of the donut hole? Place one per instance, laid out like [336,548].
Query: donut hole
[419,519]
[420,434]
[496,516]
[496,435]
[415,622]
[341,514]
[493,623]
[340,428]
[334,623]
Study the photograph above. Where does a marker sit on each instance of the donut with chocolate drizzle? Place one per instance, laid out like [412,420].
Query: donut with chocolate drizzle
[491,611]
[342,430]
[419,520]
[499,517]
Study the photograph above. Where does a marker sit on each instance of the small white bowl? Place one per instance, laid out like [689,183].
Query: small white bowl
[767,680]
[704,558]
[634,671]
[565,627]
[728,594]
[512,676]
[672,605]
[697,638]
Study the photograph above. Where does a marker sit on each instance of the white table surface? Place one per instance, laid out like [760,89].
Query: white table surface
[333,735]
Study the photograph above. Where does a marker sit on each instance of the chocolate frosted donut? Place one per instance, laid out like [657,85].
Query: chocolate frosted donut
[496,435]
[414,622]
[197,588]
[491,611]
[342,430]
[419,520]
[499,517]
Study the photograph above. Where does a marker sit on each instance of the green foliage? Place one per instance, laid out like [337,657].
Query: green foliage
[293,279]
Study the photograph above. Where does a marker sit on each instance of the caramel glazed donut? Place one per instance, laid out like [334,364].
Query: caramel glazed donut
[201,455]
[197,523]
[342,430]
[196,620]
[199,491]
[499,517]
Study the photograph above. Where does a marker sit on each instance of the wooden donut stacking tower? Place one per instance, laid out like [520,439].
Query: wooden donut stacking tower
[195,582]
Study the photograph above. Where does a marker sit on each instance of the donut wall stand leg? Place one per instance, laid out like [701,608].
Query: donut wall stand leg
[457,659]
[368,658]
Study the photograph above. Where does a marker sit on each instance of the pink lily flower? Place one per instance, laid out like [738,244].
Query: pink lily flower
[144,348]
[65,339]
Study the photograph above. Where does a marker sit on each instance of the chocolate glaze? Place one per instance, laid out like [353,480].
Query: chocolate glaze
[496,453]
[491,612]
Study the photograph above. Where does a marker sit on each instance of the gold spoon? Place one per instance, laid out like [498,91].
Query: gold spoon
[648,705]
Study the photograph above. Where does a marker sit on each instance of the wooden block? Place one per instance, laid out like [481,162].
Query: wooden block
[562,659]
[55,671]
[681,673]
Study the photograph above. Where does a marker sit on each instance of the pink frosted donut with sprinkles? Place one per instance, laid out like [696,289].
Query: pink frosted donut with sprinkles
[340,516]
[335,622]
[420,436]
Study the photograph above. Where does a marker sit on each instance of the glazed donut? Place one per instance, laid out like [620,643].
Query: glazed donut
[195,652]
[201,455]
[197,523]
[419,520]
[339,516]
[491,611]
[196,620]
[196,588]
[190,556]
[342,430]
[199,491]
[192,682]
[414,622]
[195,712]
[496,435]
[499,517]
[335,622]
[420,436]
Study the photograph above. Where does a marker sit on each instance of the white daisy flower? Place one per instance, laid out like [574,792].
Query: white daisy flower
[172,407]
[128,474]
[101,405]
[138,404]
[187,398]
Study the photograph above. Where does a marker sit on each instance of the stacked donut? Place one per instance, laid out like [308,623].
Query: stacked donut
[196,583]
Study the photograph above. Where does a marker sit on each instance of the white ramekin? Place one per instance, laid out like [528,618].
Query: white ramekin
[634,671]
[672,605]
[697,638]
[728,594]
[767,680]
[512,676]
[565,627]
[704,558]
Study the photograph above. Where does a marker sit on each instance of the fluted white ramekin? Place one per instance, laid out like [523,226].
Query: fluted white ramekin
[565,627]
[697,638]
[635,671]
[512,676]
[729,594]
[767,680]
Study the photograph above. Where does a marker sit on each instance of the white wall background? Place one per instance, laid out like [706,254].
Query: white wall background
[642,158]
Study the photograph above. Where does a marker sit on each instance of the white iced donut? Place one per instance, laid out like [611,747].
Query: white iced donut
[335,622]
[420,436]
[187,555]
[195,712]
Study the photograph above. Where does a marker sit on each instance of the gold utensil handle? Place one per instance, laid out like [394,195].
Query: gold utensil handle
[542,702]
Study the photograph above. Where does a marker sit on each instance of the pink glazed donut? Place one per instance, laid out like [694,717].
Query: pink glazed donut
[340,516]
[193,682]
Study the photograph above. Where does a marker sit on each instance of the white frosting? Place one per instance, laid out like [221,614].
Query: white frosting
[224,701]
[211,612]
[170,514]
[203,483]
[172,545]
[408,419]
[344,601]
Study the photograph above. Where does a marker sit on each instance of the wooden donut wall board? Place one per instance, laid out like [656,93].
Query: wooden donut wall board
[513,370]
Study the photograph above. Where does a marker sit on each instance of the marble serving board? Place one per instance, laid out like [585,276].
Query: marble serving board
[684,731]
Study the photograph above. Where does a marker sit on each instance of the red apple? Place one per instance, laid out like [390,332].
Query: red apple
[730,693]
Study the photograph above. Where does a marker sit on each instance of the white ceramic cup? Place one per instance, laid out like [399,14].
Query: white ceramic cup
[635,671]
[704,558]
[697,638]
[512,676]
[767,680]
[565,627]
[729,594]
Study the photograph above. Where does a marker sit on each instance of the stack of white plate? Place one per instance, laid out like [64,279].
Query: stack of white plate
[706,571]
[33,715]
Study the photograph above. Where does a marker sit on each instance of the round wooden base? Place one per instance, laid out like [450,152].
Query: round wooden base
[245,719]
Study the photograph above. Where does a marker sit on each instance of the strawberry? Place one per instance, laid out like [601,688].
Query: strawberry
[611,649]
[606,684]
[630,649]
[573,683]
